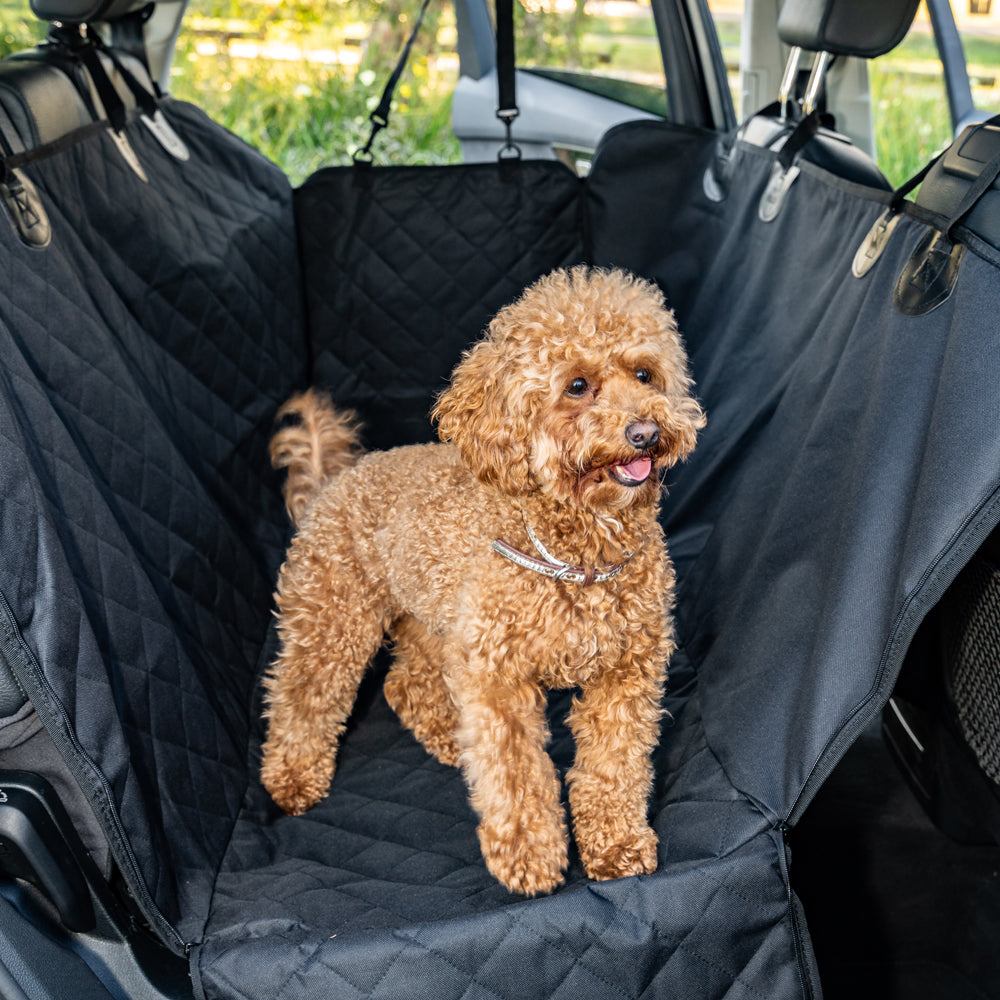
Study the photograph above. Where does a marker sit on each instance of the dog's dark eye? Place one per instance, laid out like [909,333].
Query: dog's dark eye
[577,388]
[643,375]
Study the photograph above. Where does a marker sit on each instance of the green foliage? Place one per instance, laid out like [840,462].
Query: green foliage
[20,30]
[305,113]
[553,39]
[911,118]
[305,116]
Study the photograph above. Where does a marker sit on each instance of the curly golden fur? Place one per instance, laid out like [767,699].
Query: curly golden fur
[562,420]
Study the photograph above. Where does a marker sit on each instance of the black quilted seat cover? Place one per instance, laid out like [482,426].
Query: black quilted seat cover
[849,468]
[380,890]
[405,266]
[850,464]
[144,354]
[847,471]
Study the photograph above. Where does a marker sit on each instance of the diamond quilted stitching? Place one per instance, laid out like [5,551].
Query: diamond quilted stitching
[141,375]
[148,460]
[401,276]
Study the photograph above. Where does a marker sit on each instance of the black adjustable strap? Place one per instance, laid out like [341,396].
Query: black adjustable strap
[128,35]
[144,99]
[899,195]
[507,109]
[86,45]
[800,135]
[380,116]
[22,158]
[784,171]
[914,297]
[114,106]
[986,179]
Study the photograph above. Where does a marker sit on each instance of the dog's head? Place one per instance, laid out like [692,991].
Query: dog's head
[579,389]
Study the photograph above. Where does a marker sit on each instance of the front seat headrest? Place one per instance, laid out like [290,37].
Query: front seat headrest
[846,27]
[85,11]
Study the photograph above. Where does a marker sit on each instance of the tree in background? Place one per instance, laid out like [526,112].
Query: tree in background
[547,36]
[314,73]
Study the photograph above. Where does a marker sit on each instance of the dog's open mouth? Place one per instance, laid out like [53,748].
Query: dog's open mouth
[633,473]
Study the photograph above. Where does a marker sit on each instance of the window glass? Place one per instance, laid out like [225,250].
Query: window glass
[909,103]
[728,15]
[979,26]
[21,29]
[299,78]
[606,47]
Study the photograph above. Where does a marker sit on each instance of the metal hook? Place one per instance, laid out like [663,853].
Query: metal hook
[788,79]
[510,150]
[819,68]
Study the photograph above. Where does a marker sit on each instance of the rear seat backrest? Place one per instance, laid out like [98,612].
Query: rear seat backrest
[44,105]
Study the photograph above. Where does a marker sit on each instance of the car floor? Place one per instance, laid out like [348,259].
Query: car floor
[896,908]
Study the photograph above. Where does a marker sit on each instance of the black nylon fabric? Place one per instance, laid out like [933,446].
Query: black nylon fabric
[850,465]
[380,891]
[847,464]
[144,354]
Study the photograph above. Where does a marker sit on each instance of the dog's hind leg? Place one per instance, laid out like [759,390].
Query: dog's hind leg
[332,620]
[417,693]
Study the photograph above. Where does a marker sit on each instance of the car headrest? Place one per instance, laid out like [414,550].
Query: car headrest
[846,27]
[85,11]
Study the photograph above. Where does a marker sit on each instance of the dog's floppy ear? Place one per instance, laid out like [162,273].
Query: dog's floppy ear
[685,420]
[484,414]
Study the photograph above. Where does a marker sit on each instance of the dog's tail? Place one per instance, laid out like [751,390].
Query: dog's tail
[315,448]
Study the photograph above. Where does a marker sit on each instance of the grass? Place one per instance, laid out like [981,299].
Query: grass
[912,123]
[306,115]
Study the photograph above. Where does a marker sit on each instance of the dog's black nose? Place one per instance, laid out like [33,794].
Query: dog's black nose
[642,434]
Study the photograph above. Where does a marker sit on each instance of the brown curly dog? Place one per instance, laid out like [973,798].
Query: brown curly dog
[521,555]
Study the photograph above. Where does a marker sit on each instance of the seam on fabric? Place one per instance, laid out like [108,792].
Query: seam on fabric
[83,769]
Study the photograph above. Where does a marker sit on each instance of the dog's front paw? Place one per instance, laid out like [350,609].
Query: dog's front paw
[530,863]
[295,785]
[611,856]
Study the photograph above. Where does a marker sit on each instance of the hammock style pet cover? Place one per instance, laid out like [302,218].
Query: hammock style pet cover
[849,469]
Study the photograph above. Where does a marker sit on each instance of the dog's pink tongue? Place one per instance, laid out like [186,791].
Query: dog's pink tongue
[639,468]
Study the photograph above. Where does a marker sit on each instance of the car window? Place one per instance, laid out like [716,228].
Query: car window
[605,47]
[21,29]
[909,103]
[299,80]
[727,15]
[979,27]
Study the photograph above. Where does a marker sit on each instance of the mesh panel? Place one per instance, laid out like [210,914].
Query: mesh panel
[973,656]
